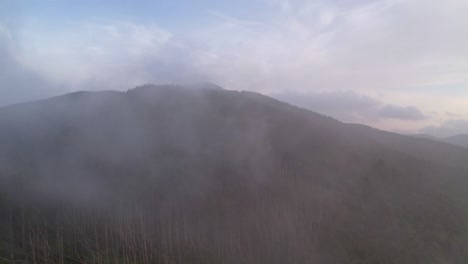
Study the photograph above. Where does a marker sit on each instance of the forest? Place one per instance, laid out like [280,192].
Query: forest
[177,174]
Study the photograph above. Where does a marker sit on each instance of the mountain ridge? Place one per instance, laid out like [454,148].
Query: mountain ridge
[210,176]
[459,139]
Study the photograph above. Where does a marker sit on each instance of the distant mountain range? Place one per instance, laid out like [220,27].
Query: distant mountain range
[179,174]
[459,140]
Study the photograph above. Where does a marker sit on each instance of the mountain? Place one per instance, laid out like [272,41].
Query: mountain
[426,136]
[173,174]
[459,140]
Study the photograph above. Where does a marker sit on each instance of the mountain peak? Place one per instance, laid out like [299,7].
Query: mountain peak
[216,165]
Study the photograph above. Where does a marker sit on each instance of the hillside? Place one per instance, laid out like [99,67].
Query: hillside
[173,174]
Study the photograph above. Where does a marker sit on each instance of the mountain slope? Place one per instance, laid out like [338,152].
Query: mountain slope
[165,174]
[459,140]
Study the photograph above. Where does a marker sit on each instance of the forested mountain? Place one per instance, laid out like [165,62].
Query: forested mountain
[173,174]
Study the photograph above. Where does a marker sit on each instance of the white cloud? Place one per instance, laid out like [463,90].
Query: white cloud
[403,113]
[349,106]
[321,45]
[94,53]
[389,46]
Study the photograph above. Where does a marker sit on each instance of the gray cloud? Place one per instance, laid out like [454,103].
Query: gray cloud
[350,106]
[344,105]
[451,114]
[404,113]
[447,129]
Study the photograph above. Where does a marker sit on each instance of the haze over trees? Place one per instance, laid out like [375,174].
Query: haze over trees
[175,174]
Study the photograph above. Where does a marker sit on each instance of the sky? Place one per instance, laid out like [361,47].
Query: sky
[397,65]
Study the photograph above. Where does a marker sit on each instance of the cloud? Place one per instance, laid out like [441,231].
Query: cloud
[447,129]
[344,105]
[350,106]
[404,113]
[451,114]
[109,54]
[293,46]
[301,45]
[18,83]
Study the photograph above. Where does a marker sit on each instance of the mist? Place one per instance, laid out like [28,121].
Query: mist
[202,174]
[247,132]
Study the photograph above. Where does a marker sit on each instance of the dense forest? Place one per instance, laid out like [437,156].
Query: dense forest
[175,174]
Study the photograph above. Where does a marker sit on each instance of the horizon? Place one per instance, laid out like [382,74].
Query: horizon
[249,131]
[210,86]
[394,65]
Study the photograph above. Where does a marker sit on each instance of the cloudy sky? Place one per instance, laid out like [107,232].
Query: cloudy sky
[399,65]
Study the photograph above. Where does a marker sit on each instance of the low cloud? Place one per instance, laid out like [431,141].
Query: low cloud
[447,129]
[403,113]
[349,106]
